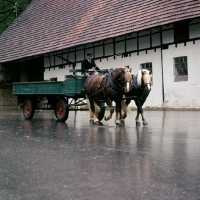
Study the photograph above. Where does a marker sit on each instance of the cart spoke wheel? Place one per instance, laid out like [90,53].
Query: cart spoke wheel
[62,110]
[28,109]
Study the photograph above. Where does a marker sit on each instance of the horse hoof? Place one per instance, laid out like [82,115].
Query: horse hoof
[123,122]
[138,124]
[119,124]
[145,124]
[124,116]
[91,121]
[98,123]
[105,118]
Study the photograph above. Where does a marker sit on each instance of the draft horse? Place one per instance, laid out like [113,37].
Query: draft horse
[107,88]
[140,89]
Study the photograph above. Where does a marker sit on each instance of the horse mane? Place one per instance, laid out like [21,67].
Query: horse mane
[128,76]
[139,76]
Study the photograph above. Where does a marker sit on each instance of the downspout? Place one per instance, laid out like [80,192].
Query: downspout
[163,93]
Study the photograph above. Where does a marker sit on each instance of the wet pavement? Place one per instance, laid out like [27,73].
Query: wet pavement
[43,159]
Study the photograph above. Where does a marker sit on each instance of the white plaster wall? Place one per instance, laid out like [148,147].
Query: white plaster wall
[184,94]
[59,73]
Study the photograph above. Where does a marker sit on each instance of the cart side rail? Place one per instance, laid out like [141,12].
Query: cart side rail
[71,87]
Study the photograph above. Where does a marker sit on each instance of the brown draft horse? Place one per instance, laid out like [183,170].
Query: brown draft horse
[140,89]
[107,88]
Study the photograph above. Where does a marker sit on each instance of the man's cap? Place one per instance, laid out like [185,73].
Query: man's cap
[89,53]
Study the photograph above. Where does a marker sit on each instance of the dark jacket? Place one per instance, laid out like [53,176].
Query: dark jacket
[86,65]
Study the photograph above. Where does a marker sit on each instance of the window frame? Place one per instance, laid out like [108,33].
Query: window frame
[180,68]
[144,64]
[54,79]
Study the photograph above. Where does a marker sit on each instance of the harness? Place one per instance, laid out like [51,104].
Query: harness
[141,91]
[98,86]
[114,84]
[100,80]
[111,83]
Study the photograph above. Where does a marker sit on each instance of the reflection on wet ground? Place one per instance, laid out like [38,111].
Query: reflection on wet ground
[45,159]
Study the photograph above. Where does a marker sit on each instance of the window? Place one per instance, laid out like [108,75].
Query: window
[181,69]
[147,66]
[53,79]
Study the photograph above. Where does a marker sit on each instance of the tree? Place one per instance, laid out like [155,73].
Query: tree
[7,14]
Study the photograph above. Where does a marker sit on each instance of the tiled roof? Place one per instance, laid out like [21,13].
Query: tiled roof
[49,25]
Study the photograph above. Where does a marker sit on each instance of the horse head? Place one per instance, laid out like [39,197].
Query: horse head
[145,79]
[124,77]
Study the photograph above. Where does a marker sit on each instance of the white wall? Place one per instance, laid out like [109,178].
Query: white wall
[184,94]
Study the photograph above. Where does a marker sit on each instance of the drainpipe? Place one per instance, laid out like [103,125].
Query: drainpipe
[162,47]
[163,94]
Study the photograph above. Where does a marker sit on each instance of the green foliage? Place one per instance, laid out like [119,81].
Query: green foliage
[7,14]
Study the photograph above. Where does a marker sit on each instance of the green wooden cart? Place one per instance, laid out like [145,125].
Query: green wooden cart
[52,95]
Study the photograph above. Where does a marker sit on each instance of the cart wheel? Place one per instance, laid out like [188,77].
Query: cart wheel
[28,109]
[62,110]
[102,111]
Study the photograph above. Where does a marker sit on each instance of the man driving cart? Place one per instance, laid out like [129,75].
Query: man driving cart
[88,64]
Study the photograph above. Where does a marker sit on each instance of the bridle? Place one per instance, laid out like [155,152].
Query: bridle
[146,85]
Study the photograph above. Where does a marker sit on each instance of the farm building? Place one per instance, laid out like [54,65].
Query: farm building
[51,37]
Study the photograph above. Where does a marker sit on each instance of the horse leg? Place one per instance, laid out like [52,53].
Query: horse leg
[144,120]
[91,117]
[93,107]
[95,113]
[109,114]
[124,109]
[137,120]
[91,113]
[140,111]
[118,120]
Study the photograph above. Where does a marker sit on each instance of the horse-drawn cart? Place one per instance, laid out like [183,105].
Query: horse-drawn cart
[52,95]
